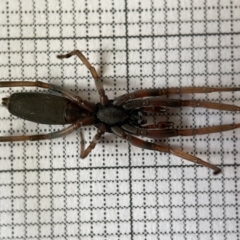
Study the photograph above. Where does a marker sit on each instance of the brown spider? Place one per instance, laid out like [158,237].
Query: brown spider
[125,116]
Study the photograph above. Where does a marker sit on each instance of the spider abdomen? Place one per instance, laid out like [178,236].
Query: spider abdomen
[43,108]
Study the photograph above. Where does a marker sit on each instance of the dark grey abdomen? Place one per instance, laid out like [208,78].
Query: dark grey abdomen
[37,107]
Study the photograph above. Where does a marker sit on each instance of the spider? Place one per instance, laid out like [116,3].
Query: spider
[124,117]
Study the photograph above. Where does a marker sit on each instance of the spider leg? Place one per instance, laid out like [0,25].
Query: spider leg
[165,133]
[208,130]
[84,152]
[65,131]
[70,95]
[159,125]
[98,83]
[179,103]
[25,84]
[153,109]
[160,148]
[169,91]
[150,133]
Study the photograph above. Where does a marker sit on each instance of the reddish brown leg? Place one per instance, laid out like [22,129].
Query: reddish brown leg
[179,103]
[85,104]
[159,125]
[85,122]
[169,91]
[98,83]
[156,147]
[25,84]
[208,130]
[84,152]
[165,133]
[150,133]
[153,109]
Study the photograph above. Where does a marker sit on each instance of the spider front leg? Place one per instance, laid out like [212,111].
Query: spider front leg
[156,147]
[84,152]
[172,132]
[170,91]
[157,101]
[152,109]
[98,83]
[159,125]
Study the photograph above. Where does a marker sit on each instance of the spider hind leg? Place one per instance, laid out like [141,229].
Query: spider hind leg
[160,148]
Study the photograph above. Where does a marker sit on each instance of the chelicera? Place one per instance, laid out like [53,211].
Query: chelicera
[124,117]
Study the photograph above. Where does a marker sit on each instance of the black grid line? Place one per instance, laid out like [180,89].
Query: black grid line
[120,192]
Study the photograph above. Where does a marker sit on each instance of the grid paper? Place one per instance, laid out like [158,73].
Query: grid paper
[120,191]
